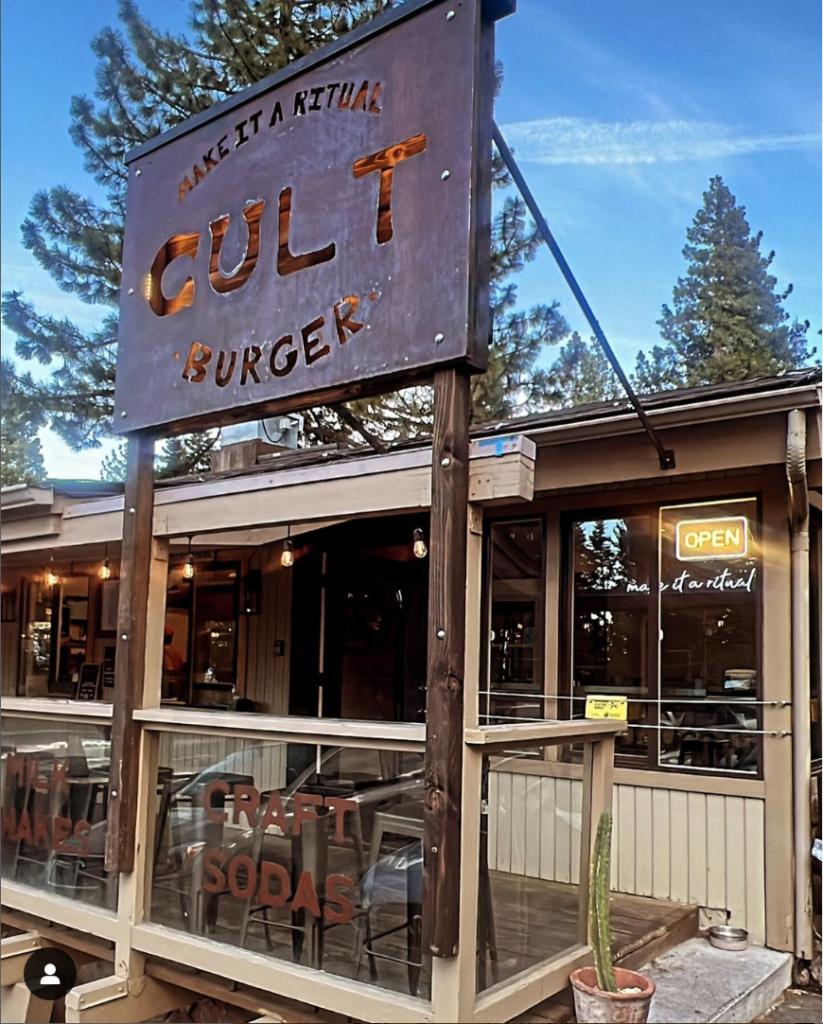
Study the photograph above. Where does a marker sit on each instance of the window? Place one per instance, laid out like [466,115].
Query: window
[55,797]
[54,640]
[200,639]
[664,610]
[516,613]
[612,573]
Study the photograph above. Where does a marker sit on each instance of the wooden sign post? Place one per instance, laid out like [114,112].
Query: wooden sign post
[446,661]
[130,661]
[321,236]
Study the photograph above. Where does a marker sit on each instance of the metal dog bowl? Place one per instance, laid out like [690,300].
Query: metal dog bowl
[723,936]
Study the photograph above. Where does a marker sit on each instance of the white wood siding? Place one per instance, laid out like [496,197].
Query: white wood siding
[264,762]
[692,848]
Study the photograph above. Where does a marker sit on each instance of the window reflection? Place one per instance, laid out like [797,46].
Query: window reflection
[516,623]
[55,793]
[665,609]
[610,632]
[709,637]
[200,638]
[307,854]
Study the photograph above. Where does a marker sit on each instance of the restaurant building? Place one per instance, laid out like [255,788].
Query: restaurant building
[282,723]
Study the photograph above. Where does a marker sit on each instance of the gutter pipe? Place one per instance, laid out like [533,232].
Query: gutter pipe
[801,683]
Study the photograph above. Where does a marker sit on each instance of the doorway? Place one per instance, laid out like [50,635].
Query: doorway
[360,623]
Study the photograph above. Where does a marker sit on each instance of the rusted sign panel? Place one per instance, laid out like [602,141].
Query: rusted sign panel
[317,237]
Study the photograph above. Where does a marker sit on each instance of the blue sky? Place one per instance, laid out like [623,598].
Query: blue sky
[619,114]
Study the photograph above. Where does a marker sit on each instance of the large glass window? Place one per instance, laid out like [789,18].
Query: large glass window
[516,623]
[55,636]
[709,636]
[36,639]
[307,854]
[200,640]
[664,611]
[55,795]
[611,580]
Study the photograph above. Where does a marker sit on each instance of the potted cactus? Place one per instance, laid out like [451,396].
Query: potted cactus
[606,993]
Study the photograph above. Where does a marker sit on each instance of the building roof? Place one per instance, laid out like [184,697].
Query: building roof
[553,420]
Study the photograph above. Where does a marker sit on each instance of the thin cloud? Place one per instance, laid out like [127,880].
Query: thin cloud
[577,140]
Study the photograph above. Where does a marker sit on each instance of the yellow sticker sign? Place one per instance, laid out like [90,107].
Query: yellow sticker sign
[614,708]
[712,538]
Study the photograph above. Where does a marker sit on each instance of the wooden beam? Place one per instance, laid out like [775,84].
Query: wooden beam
[116,1000]
[135,573]
[14,952]
[19,1005]
[446,661]
[598,789]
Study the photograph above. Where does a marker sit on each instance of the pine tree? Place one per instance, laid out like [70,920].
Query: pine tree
[660,370]
[22,456]
[147,81]
[582,373]
[727,321]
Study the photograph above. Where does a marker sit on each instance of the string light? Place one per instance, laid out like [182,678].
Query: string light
[188,565]
[52,579]
[287,557]
[421,549]
[105,568]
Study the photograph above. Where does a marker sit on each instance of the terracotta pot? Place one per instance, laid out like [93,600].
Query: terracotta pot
[595,1007]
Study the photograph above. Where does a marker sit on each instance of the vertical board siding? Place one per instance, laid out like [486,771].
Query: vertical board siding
[548,803]
[697,849]
[533,832]
[736,858]
[679,808]
[716,862]
[661,844]
[267,673]
[643,842]
[707,850]
[626,838]
[755,869]
[563,831]
[518,814]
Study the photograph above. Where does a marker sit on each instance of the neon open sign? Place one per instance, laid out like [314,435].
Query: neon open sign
[727,537]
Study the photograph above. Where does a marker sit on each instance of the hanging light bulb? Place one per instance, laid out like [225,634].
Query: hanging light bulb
[188,565]
[52,579]
[287,557]
[105,568]
[421,549]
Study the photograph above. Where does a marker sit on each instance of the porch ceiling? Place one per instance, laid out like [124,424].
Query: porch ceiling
[253,509]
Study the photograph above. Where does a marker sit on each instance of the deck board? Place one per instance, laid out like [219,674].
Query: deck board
[534,920]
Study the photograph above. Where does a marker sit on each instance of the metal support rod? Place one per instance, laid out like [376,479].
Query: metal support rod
[666,455]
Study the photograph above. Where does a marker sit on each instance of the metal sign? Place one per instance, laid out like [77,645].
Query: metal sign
[712,538]
[316,237]
[614,709]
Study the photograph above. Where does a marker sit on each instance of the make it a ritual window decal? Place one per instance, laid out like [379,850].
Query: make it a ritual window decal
[313,237]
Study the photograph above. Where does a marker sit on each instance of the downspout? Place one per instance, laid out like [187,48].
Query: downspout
[801,684]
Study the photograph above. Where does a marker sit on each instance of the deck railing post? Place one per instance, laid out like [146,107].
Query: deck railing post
[598,786]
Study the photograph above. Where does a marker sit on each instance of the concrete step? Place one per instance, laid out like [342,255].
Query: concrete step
[698,984]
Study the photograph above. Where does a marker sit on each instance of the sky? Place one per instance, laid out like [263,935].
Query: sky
[619,114]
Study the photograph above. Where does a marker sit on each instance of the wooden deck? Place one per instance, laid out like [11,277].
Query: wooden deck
[534,920]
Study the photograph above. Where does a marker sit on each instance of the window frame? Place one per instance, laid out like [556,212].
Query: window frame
[652,509]
[486,604]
